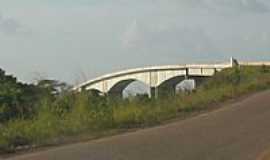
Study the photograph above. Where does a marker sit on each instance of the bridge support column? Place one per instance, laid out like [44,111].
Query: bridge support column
[154,92]
[187,74]
[199,81]
[167,91]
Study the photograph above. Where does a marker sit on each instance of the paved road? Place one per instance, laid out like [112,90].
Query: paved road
[240,131]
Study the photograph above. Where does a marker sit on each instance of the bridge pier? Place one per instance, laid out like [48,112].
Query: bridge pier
[167,90]
[199,81]
[154,92]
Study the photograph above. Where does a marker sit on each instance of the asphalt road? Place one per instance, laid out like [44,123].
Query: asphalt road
[239,131]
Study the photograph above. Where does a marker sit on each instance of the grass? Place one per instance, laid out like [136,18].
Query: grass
[78,114]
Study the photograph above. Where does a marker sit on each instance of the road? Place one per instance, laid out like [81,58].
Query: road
[239,131]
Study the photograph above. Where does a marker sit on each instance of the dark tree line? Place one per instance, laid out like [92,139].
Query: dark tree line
[20,100]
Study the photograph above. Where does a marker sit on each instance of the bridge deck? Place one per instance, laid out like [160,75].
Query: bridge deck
[154,68]
[167,68]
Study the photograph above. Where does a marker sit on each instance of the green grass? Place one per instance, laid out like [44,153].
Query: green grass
[76,114]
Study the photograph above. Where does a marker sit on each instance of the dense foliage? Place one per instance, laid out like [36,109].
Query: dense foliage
[20,100]
[56,114]
[16,99]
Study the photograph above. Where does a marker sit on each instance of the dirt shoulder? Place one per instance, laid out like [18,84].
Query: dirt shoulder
[265,155]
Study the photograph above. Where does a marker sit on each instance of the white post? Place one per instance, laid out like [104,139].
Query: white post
[233,62]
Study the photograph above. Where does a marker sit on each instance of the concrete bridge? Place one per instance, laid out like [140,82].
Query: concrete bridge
[158,78]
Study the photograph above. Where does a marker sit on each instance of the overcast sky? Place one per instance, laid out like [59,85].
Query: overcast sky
[73,40]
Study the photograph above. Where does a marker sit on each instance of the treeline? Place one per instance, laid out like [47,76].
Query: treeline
[21,100]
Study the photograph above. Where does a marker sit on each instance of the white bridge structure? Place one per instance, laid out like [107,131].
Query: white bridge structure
[157,78]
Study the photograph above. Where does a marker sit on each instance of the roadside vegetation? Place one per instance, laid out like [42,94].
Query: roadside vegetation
[48,113]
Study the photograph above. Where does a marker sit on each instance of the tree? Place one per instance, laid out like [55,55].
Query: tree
[10,92]
[23,100]
[16,98]
[53,87]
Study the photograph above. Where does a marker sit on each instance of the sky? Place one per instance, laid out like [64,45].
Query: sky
[76,40]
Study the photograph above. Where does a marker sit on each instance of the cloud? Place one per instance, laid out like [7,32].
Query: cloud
[11,26]
[236,5]
[220,6]
[131,35]
[157,37]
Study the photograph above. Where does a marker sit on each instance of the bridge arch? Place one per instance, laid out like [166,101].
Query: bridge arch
[118,88]
[168,87]
[161,83]
[95,92]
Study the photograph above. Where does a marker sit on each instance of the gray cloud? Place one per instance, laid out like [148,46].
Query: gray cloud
[11,26]
[221,6]
[237,5]
[192,40]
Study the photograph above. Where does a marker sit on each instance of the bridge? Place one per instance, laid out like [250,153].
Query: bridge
[159,78]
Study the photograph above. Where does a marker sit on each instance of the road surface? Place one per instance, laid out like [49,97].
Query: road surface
[239,131]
